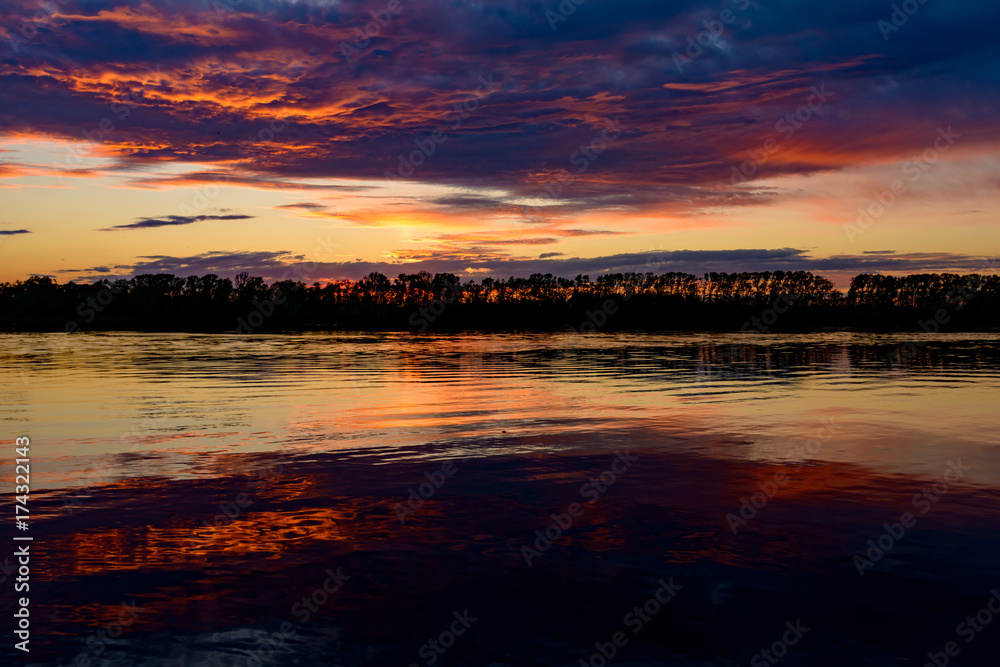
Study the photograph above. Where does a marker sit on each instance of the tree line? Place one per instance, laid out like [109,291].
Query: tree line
[788,300]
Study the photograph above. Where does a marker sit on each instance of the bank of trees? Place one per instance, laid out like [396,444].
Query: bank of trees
[422,301]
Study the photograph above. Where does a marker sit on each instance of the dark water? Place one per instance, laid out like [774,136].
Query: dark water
[635,452]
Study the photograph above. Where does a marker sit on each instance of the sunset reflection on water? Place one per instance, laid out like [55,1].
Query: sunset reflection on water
[233,473]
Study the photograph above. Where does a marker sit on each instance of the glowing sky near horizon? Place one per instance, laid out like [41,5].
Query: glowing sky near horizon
[184,137]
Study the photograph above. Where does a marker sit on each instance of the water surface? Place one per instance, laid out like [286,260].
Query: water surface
[140,442]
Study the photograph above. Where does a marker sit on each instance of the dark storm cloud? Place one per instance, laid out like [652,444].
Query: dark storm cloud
[268,84]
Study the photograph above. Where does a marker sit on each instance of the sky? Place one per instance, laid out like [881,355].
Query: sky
[321,140]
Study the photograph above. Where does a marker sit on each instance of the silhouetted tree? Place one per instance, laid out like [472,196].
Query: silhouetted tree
[647,300]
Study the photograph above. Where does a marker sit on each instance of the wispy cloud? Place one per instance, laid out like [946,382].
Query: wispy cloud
[303,206]
[175,220]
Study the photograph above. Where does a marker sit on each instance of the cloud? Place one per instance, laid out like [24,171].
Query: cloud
[468,203]
[262,98]
[492,114]
[11,232]
[174,220]
[304,206]
[271,264]
[282,265]
[235,178]
[588,232]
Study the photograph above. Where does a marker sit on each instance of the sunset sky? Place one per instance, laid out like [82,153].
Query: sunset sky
[497,137]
